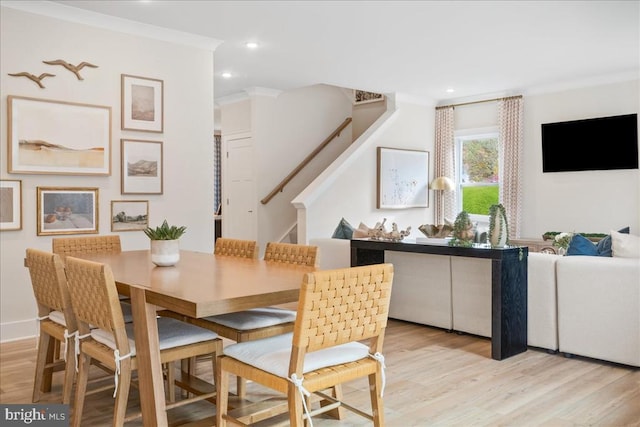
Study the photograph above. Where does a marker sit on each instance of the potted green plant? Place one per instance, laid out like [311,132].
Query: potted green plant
[463,232]
[165,243]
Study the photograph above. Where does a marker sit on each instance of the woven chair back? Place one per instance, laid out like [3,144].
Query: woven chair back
[291,253]
[64,246]
[236,248]
[95,298]
[343,305]
[49,284]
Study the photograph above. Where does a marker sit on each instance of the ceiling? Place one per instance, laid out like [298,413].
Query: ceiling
[416,48]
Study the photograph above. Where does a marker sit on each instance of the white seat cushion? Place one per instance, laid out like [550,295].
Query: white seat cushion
[272,354]
[57,317]
[171,332]
[254,318]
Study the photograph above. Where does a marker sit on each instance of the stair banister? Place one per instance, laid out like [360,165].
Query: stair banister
[278,188]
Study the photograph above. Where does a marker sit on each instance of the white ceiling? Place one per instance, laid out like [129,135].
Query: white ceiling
[417,48]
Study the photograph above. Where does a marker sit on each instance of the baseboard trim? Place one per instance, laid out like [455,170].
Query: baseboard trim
[16,331]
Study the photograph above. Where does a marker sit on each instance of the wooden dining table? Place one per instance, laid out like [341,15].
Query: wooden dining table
[199,285]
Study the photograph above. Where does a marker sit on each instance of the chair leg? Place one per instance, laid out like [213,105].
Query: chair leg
[222,395]
[81,389]
[41,360]
[241,387]
[69,372]
[122,396]
[339,412]
[188,366]
[47,378]
[296,410]
[375,386]
[171,382]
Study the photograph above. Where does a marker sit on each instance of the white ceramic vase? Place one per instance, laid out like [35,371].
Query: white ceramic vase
[498,237]
[165,253]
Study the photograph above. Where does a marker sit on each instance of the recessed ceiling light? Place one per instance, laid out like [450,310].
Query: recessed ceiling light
[251,45]
[450,90]
[226,75]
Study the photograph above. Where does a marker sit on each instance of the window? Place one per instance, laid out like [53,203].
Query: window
[477,169]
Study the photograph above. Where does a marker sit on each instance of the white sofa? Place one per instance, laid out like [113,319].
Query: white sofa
[599,307]
[332,253]
[582,305]
[542,306]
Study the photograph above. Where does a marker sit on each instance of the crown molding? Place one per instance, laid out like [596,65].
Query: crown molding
[232,99]
[80,16]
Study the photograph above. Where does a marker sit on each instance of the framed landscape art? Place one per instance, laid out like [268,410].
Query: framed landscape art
[67,210]
[10,205]
[142,104]
[403,178]
[129,215]
[57,137]
[141,166]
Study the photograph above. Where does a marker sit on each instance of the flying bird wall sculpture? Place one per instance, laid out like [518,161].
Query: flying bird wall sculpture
[37,79]
[75,69]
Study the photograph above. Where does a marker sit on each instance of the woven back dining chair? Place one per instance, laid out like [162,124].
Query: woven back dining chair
[337,310]
[265,321]
[95,301]
[236,248]
[292,253]
[98,245]
[56,320]
[108,244]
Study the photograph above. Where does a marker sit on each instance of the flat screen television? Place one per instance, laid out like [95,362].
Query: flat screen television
[603,143]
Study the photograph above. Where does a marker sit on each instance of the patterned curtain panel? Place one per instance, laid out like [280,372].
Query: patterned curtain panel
[510,121]
[217,187]
[445,201]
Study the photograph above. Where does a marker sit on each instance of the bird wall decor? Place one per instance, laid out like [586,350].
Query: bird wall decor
[75,69]
[37,79]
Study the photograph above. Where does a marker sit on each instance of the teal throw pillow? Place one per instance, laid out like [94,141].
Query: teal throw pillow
[580,245]
[604,245]
[344,230]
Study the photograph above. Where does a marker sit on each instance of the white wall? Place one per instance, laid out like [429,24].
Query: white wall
[352,192]
[365,114]
[27,40]
[285,130]
[587,201]
[590,201]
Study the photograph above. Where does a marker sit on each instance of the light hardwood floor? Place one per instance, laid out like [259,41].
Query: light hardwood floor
[434,378]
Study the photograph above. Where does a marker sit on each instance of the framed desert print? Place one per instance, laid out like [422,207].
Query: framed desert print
[403,178]
[142,103]
[364,97]
[141,166]
[67,210]
[10,204]
[58,137]
[129,215]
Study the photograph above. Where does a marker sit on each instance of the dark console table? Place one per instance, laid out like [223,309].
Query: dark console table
[508,285]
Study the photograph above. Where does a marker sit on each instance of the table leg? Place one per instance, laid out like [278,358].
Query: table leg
[145,329]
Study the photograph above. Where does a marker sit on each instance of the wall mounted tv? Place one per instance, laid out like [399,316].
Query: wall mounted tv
[602,143]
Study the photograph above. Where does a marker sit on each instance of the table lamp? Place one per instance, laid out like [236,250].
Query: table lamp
[442,183]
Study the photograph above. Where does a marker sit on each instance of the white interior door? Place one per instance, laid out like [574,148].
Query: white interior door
[239,210]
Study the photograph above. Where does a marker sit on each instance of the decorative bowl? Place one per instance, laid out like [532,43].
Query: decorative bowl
[436,231]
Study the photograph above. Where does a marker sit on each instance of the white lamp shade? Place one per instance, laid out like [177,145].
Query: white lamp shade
[442,183]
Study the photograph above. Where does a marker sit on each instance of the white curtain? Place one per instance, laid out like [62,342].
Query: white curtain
[444,164]
[510,122]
